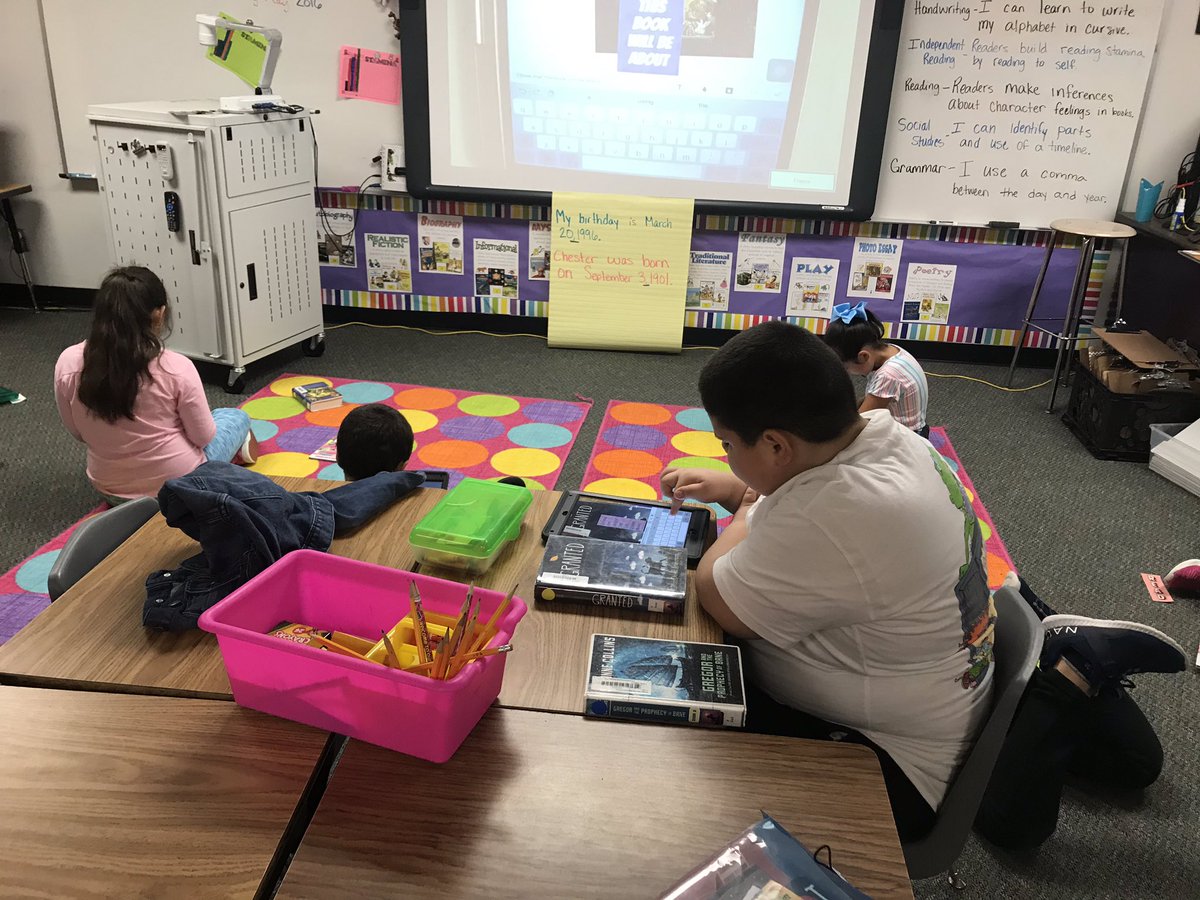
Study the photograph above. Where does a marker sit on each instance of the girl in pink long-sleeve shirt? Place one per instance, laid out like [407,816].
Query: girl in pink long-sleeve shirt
[140,408]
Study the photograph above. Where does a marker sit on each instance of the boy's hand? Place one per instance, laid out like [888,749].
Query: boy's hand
[701,485]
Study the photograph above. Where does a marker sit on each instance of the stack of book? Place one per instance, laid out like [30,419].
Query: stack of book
[612,573]
[1178,458]
[317,396]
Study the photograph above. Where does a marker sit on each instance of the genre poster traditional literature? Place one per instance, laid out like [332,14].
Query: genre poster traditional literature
[709,273]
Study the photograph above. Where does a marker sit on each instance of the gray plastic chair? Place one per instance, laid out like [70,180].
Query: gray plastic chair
[1018,643]
[93,540]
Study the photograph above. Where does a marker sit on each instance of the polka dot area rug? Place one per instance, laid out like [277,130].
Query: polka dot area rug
[637,441]
[23,592]
[462,432]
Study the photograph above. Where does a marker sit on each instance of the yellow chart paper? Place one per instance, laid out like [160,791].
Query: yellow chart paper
[618,268]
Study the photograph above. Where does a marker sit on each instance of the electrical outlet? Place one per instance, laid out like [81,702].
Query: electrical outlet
[391,166]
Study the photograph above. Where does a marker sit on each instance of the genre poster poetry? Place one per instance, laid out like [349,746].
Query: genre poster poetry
[873,268]
[389,262]
[440,244]
[760,262]
[335,237]
[709,273]
[928,290]
[812,283]
[496,263]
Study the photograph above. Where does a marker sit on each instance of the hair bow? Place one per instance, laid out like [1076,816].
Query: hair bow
[848,313]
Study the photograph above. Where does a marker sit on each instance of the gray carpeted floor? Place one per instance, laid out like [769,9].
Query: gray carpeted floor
[1080,531]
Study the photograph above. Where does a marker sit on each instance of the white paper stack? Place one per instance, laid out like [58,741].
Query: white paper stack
[1178,459]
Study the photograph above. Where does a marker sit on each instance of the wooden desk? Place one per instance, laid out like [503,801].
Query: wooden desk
[546,669]
[536,805]
[108,795]
[93,638]
[7,192]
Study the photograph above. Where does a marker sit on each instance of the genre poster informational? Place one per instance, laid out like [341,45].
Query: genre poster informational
[389,262]
[873,268]
[708,279]
[440,244]
[760,262]
[812,283]
[335,237]
[539,250]
[496,266]
[928,291]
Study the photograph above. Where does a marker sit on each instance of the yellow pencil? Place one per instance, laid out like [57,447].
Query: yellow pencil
[465,658]
[336,647]
[392,659]
[489,630]
[422,629]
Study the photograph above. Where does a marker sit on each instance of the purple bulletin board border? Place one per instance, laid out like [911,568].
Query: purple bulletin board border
[996,268]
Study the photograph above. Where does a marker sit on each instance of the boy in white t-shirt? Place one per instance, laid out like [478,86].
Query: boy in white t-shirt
[852,571]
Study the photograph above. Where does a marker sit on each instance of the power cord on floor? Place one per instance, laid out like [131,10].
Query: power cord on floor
[540,337]
[999,387]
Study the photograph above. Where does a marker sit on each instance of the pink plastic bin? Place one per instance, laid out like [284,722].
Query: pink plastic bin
[398,710]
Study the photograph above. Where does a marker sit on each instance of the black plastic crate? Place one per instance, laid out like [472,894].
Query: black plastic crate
[1117,426]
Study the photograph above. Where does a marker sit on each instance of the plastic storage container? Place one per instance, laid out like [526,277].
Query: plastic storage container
[1164,432]
[399,710]
[470,525]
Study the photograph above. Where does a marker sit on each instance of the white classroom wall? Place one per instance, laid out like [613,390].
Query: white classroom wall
[64,222]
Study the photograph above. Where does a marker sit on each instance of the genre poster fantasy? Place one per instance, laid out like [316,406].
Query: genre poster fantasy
[709,273]
[760,262]
[440,244]
[389,262]
[928,291]
[812,283]
[873,268]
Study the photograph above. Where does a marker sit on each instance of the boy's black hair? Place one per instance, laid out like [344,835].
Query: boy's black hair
[847,341]
[373,438]
[777,375]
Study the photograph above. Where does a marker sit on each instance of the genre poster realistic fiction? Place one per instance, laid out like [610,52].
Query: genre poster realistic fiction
[389,262]
[335,237]
[873,268]
[928,291]
[760,262]
[539,249]
[440,244]
[709,273]
[496,264]
[812,282]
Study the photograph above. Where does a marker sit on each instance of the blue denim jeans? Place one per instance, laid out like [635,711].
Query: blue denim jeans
[232,427]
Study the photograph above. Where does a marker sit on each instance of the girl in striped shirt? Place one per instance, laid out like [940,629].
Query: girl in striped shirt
[895,380]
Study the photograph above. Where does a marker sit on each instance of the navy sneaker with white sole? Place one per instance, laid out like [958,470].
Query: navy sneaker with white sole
[1105,651]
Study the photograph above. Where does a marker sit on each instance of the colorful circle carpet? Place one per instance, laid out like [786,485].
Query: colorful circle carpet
[462,432]
[638,441]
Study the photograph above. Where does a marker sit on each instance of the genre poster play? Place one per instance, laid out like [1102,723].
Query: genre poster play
[440,244]
[389,262]
[539,249]
[709,273]
[335,238]
[760,262]
[928,291]
[874,268]
[812,283]
[496,263]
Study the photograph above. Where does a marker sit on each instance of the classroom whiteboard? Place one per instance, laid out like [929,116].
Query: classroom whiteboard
[119,51]
[1015,111]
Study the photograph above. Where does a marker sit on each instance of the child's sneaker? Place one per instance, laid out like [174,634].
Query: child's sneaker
[1105,651]
[1184,578]
[248,454]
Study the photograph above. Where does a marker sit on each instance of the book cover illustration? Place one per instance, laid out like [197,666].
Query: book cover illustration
[317,396]
[613,573]
[326,452]
[681,681]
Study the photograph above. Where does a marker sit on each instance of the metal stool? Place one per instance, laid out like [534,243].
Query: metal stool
[1090,230]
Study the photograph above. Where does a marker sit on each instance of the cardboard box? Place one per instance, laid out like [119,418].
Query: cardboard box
[1133,381]
[1144,350]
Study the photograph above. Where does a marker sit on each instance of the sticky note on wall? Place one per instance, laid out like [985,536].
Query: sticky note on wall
[618,271]
[369,75]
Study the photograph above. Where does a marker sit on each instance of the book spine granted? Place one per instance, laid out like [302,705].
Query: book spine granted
[616,599]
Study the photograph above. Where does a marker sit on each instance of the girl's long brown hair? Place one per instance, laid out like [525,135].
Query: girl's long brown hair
[122,343]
